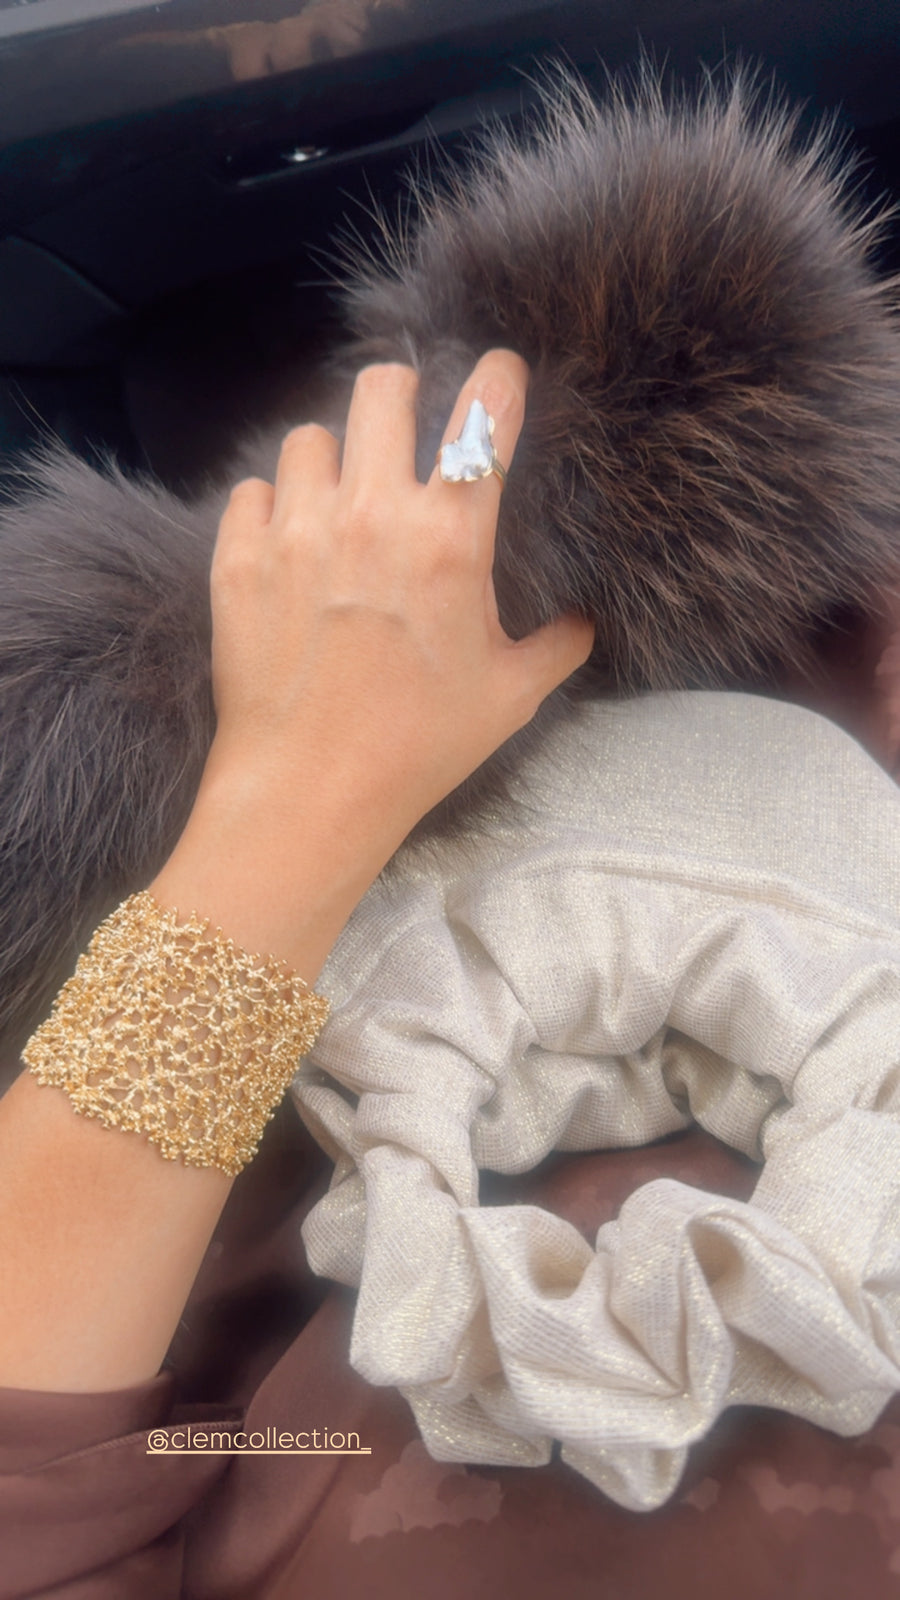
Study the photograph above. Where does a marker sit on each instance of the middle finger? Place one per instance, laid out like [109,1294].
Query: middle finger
[380,442]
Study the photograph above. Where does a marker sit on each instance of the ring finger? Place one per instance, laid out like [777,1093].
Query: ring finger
[500,382]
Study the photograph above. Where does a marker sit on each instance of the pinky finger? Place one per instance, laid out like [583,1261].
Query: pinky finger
[252,500]
[245,518]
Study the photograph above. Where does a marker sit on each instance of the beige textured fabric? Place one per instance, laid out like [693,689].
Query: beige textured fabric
[697,919]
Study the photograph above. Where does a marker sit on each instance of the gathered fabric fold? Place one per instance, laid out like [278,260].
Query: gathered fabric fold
[692,914]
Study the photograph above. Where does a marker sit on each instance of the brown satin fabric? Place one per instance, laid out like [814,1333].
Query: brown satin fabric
[770,1509]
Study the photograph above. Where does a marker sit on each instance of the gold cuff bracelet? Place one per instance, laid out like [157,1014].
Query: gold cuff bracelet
[169,1029]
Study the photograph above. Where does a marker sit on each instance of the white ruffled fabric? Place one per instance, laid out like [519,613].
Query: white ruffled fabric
[696,917]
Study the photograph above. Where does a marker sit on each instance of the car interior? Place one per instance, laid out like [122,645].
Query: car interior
[180,182]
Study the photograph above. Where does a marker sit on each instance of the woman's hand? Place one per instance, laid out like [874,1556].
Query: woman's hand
[355,631]
[359,667]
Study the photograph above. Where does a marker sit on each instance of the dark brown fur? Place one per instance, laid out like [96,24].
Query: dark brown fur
[709,465]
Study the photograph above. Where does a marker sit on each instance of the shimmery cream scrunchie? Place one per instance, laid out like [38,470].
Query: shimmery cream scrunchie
[696,919]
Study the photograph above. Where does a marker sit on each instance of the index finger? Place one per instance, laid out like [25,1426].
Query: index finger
[500,381]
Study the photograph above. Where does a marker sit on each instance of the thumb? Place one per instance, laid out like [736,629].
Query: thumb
[543,660]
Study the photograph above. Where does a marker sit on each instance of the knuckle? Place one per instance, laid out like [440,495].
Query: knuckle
[451,549]
[359,521]
[501,382]
[450,563]
[227,576]
[500,399]
[458,538]
[233,561]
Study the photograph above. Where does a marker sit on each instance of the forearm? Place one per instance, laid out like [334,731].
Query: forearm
[100,1237]
[100,1241]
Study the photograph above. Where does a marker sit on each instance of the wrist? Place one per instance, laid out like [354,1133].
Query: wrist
[276,859]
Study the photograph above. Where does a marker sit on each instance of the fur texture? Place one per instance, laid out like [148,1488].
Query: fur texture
[710,464]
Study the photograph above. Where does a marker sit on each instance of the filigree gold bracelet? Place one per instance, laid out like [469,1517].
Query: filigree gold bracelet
[169,1029]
